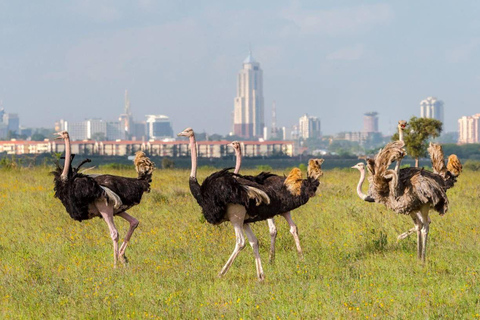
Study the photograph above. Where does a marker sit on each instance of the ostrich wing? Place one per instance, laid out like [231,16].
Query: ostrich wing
[130,190]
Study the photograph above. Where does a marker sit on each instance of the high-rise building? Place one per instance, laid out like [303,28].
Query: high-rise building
[126,119]
[469,129]
[94,129]
[370,122]
[309,127]
[431,108]
[159,127]
[248,119]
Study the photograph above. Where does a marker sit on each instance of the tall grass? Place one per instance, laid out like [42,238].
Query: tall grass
[52,267]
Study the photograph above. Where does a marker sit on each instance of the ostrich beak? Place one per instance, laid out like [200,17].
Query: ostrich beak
[182,134]
[59,135]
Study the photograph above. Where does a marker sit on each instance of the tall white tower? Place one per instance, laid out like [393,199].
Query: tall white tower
[431,108]
[248,118]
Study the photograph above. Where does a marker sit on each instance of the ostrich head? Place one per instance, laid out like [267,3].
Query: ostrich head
[235,145]
[402,124]
[62,135]
[359,166]
[188,132]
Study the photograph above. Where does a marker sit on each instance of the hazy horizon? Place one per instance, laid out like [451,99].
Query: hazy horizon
[334,60]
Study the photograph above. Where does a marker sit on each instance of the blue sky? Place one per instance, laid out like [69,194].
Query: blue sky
[330,59]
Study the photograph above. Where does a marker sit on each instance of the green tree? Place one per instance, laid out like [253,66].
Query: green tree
[416,135]
[38,137]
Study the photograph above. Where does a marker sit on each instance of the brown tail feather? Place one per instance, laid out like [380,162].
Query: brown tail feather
[436,155]
[293,182]
[314,170]
[454,165]
[393,151]
[143,165]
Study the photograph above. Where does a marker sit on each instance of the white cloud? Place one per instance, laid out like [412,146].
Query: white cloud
[338,21]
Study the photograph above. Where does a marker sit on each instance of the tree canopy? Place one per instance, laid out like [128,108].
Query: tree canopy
[416,135]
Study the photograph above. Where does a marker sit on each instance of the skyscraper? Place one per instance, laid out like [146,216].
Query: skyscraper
[431,108]
[126,118]
[469,129]
[248,119]
[309,127]
[370,122]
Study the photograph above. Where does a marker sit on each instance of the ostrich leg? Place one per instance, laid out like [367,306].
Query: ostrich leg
[424,231]
[273,236]
[254,243]
[409,232]
[133,225]
[236,214]
[293,231]
[106,211]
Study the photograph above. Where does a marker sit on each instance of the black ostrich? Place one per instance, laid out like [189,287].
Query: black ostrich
[223,197]
[105,196]
[286,194]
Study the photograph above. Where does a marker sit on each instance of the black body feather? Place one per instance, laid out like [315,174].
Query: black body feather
[78,191]
[217,191]
[281,199]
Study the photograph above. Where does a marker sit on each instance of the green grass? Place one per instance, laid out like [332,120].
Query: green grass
[52,267]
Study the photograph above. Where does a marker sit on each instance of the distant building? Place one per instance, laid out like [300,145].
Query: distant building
[370,122]
[431,108]
[158,127]
[126,119]
[140,131]
[309,127]
[76,130]
[248,119]
[93,129]
[469,129]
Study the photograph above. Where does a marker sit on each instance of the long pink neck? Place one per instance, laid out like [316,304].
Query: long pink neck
[238,163]
[359,186]
[400,134]
[193,151]
[68,153]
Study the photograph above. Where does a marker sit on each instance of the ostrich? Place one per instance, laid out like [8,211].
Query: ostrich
[222,197]
[418,190]
[277,185]
[401,126]
[105,196]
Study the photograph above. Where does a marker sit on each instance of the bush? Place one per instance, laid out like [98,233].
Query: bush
[168,163]
[473,165]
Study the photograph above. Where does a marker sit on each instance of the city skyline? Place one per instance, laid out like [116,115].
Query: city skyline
[332,60]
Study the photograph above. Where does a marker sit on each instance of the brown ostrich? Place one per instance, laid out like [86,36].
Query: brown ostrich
[104,196]
[279,185]
[417,190]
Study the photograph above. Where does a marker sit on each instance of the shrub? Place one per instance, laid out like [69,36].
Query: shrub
[473,165]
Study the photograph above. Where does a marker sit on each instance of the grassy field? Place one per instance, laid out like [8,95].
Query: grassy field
[52,267]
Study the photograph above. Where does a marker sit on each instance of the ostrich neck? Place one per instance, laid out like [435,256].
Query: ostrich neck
[238,163]
[66,165]
[193,151]
[359,186]
[400,134]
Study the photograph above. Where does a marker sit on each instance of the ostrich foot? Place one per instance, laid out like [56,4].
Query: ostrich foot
[123,259]
[261,277]
[271,259]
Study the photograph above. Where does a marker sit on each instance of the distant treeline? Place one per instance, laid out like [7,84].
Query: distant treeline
[123,162]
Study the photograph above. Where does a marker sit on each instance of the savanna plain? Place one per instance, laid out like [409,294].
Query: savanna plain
[52,267]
